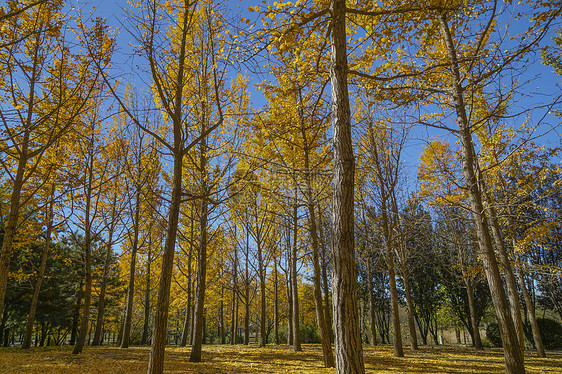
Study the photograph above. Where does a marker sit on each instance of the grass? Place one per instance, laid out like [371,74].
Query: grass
[251,359]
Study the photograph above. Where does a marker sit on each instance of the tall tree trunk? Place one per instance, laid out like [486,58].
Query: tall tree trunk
[473,320]
[132,269]
[512,293]
[187,321]
[76,315]
[157,348]
[275,302]
[410,304]
[316,275]
[35,298]
[371,303]
[289,290]
[325,288]
[234,319]
[195,355]
[144,337]
[98,332]
[83,332]
[512,350]
[530,309]
[297,347]
[349,352]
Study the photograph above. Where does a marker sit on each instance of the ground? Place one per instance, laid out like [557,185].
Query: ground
[240,359]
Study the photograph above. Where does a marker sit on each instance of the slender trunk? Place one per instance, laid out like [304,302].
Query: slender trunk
[349,352]
[195,355]
[512,293]
[289,283]
[234,319]
[35,299]
[316,275]
[132,269]
[76,314]
[221,318]
[530,310]
[158,345]
[410,304]
[187,322]
[371,303]
[295,291]
[325,288]
[275,302]
[512,351]
[473,320]
[144,338]
[101,304]
[88,259]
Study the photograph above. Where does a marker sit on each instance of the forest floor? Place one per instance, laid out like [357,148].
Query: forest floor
[251,359]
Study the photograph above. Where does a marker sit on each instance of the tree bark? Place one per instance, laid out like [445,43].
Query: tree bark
[156,360]
[349,352]
[530,309]
[473,320]
[512,351]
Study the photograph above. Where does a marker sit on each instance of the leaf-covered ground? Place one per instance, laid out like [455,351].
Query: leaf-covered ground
[240,359]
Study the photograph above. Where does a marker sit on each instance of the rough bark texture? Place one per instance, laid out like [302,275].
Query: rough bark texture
[156,360]
[514,363]
[349,352]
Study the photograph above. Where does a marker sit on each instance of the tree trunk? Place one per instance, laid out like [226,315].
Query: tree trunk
[316,275]
[234,320]
[35,299]
[187,322]
[295,291]
[473,320]
[131,288]
[195,355]
[98,332]
[156,360]
[144,337]
[530,309]
[275,302]
[349,352]
[88,260]
[371,303]
[411,323]
[512,352]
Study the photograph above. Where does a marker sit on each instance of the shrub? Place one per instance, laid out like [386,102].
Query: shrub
[551,333]
[493,334]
